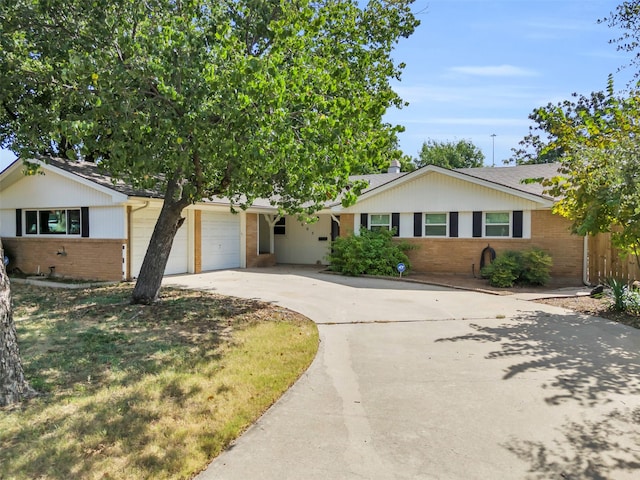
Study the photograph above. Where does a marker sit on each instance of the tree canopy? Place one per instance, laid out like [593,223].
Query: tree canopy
[594,139]
[448,154]
[199,98]
[625,17]
[594,120]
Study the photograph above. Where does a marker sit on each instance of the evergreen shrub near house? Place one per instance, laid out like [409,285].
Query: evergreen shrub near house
[528,267]
[369,253]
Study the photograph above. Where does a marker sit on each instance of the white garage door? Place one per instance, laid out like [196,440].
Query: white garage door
[220,240]
[143,224]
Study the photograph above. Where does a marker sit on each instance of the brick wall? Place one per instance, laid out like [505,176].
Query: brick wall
[346,224]
[253,258]
[90,259]
[462,255]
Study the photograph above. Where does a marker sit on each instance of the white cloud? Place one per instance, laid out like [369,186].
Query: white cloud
[476,95]
[495,71]
[470,121]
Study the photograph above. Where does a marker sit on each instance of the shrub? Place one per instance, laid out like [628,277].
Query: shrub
[504,270]
[623,299]
[370,253]
[535,267]
[529,267]
[618,290]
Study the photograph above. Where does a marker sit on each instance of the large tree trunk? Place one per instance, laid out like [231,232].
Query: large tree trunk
[147,287]
[13,386]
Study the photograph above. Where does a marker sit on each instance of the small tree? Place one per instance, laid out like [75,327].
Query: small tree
[460,154]
[595,138]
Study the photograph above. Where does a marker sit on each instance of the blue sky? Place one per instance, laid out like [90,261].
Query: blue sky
[479,67]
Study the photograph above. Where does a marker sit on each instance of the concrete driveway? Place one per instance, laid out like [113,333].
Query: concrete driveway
[421,382]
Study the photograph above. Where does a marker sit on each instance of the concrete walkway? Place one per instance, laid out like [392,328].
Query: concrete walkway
[419,382]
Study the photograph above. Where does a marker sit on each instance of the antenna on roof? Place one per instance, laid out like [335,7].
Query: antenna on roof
[493,149]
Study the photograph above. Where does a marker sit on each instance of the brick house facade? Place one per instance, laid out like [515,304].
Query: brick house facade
[450,215]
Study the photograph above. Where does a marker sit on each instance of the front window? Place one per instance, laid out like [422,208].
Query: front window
[497,224]
[380,222]
[53,222]
[435,225]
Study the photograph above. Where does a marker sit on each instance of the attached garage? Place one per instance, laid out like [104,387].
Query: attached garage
[143,222]
[220,240]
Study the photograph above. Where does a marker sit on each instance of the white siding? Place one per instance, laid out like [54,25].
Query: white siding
[406,225]
[107,222]
[301,244]
[104,222]
[465,224]
[436,192]
[440,193]
[220,240]
[7,223]
[52,190]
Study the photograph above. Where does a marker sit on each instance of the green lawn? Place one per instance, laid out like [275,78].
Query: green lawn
[130,391]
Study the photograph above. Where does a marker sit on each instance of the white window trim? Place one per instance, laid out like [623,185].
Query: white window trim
[485,224]
[25,226]
[446,224]
[371,225]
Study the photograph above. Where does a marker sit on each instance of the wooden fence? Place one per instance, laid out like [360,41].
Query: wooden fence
[604,261]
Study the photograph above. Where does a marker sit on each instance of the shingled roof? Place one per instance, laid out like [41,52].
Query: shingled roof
[92,172]
[510,177]
[513,177]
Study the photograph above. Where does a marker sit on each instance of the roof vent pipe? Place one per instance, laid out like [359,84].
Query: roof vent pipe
[394,167]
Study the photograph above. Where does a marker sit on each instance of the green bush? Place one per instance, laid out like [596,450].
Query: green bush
[529,267]
[536,265]
[504,270]
[370,253]
[622,298]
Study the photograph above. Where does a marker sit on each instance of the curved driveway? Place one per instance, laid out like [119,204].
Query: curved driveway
[422,382]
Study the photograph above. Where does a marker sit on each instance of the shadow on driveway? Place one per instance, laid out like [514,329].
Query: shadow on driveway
[595,365]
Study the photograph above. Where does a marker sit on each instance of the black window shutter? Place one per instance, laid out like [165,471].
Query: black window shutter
[517,224]
[84,221]
[395,223]
[364,220]
[335,228]
[477,224]
[18,222]
[453,224]
[417,224]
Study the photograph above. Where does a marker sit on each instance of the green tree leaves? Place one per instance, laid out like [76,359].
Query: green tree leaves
[200,98]
[595,140]
[273,98]
[460,154]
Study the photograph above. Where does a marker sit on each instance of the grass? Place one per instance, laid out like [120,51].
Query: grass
[131,391]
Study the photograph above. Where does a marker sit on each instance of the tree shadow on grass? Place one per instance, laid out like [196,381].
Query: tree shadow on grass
[593,363]
[94,355]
